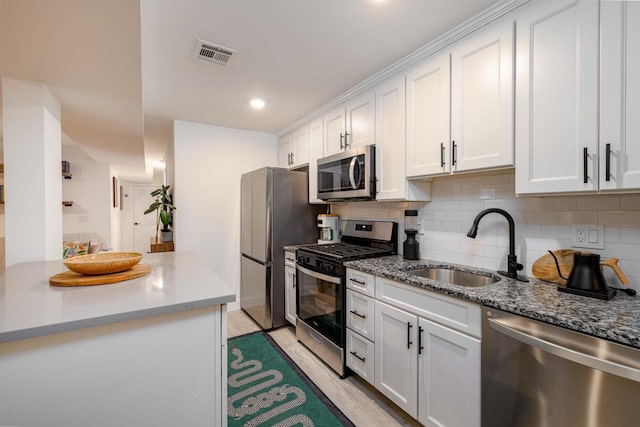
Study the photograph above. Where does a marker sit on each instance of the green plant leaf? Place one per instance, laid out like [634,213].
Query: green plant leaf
[165,217]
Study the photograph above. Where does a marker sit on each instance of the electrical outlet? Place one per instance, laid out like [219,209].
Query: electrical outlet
[587,236]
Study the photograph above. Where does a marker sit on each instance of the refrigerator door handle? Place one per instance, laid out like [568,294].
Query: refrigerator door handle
[330,279]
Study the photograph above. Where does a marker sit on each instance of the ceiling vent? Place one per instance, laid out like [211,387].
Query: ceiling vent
[212,53]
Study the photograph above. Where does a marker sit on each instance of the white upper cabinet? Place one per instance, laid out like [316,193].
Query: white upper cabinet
[619,146]
[360,116]
[293,148]
[428,117]
[316,145]
[300,143]
[460,106]
[482,100]
[351,125]
[557,97]
[392,183]
[334,130]
[285,147]
[390,139]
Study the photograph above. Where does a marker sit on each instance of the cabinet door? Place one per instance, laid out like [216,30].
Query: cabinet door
[396,352]
[361,116]
[290,294]
[620,95]
[448,377]
[428,117]
[300,147]
[316,143]
[285,147]
[557,97]
[390,140]
[334,128]
[482,100]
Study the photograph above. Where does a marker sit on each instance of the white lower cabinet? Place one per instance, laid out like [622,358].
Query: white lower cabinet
[448,376]
[396,352]
[290,289]
[423,351]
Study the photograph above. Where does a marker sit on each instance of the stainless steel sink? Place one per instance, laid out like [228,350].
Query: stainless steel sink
[455,277]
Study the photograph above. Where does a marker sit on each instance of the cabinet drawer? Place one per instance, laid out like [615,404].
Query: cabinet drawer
[360,356]
[290,258]
[452,312]
[360,313]
[361,282]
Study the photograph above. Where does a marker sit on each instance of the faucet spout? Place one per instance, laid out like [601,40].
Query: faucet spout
[512,261]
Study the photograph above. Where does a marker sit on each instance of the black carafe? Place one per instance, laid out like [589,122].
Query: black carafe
[411,247]
[586,278]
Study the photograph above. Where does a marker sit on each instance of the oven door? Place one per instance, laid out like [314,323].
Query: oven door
[320,303]
[348,175]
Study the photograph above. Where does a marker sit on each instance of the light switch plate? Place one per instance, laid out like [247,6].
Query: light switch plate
[587,236]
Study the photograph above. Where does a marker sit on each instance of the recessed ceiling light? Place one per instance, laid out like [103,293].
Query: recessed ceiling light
[257,103]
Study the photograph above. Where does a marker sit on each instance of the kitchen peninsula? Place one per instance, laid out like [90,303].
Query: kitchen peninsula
[148,351]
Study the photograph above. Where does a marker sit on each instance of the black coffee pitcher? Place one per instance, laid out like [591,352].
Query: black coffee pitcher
[586,278]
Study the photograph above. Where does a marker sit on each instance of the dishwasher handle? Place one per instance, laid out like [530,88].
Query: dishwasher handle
[608,366]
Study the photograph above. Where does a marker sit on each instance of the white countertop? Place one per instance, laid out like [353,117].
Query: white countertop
[30,307]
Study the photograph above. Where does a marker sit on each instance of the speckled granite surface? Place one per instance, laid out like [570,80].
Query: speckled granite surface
[617,320]
[292,248]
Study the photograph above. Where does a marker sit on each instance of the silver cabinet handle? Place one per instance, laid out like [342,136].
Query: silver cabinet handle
[292,158]
[357,281]
[346,144]
[567,353]
[342,147]
[454,154]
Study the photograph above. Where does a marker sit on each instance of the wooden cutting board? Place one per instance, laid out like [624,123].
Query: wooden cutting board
[69,278]
[544,268]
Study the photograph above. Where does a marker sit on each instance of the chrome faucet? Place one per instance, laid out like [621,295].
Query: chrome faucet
[512,261]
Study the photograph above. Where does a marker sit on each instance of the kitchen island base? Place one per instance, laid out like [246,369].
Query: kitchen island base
[162,370]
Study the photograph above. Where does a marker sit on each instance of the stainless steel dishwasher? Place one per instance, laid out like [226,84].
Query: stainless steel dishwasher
[540,375]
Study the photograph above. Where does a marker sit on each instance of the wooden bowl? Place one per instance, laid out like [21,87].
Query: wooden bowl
[103,263]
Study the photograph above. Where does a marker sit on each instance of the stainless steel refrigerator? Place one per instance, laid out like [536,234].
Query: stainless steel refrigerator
[275,212]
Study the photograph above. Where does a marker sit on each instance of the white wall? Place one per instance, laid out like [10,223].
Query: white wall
[542,223]
[209,161]
[32,153]
[90,190]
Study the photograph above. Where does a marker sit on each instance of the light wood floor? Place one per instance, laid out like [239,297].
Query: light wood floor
[360,402]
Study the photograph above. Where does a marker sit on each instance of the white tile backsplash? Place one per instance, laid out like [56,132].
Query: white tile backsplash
[542,223]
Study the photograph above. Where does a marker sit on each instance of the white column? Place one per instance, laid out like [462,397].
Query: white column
[32,173]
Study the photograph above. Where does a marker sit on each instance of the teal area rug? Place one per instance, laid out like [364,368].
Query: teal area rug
[266,388]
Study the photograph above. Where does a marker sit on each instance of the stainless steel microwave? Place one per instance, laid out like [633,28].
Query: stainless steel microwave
[349,175]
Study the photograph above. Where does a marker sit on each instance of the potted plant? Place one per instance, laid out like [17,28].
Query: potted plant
[163,206]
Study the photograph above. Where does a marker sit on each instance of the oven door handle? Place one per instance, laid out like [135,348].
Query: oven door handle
[326,278]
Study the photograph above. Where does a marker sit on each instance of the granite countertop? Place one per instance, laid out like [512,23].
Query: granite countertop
[617,320]
[30,307]
[292,248]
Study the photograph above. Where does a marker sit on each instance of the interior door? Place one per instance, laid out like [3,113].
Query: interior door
[144,226]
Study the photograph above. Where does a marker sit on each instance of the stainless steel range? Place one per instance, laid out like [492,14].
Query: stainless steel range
[321,290]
